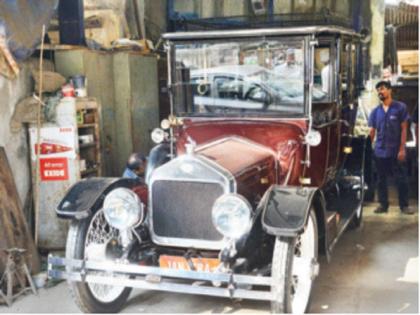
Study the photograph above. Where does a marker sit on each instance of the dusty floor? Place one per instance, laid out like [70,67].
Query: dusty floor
[373,270]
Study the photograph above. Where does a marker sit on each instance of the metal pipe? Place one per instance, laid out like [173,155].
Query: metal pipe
[260,32]
[169,57]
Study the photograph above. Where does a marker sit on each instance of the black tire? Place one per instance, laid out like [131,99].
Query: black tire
[369,173]
[357,219]
[282,273]
[370,193]
[81,291]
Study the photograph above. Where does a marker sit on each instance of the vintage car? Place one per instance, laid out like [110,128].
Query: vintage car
[241,199]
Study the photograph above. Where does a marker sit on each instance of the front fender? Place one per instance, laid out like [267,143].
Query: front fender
[87,196]
[285,209]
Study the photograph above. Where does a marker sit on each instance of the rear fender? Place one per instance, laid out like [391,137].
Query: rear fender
[86,196]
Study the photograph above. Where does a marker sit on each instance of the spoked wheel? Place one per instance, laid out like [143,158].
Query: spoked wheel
[294,268]
[90,239]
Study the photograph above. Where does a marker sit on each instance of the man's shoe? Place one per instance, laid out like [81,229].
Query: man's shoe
[407,210]
[381,209]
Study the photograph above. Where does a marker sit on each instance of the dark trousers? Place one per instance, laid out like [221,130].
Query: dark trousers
[387,167]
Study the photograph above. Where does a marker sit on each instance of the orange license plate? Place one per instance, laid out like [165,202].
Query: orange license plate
[180,263]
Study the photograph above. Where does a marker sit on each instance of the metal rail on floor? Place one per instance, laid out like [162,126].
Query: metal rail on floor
[228,285]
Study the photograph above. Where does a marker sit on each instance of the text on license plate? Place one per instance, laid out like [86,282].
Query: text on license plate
[180,263]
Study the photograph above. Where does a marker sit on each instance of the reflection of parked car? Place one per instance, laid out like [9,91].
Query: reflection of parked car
[232,86]
[248,87]
[248,199]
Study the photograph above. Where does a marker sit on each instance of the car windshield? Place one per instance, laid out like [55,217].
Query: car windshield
[240,77]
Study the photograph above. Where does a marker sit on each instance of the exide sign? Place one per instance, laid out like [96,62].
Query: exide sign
[54,169]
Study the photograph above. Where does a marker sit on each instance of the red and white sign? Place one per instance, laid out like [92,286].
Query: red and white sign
[54,142]
[54,169]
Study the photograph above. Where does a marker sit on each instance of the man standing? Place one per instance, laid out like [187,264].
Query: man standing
[388,121]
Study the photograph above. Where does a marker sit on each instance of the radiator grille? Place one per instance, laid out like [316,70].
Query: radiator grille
[182,209]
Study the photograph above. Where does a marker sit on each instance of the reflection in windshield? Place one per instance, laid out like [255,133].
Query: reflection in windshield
[265,76]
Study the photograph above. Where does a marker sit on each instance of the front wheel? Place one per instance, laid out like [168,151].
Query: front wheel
[86,239]
[294,268]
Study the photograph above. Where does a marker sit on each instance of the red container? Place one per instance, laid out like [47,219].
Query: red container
[67,90]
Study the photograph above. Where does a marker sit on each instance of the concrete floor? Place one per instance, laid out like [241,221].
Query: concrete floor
[373,270]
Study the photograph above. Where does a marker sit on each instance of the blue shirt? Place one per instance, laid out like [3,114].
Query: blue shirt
[388,128]
[129,174]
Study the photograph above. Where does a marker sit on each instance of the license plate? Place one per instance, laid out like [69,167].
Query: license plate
[180,263]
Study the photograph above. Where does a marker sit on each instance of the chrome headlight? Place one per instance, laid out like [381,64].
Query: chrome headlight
[123,209]
[158,135]
[231,215]
[313,138]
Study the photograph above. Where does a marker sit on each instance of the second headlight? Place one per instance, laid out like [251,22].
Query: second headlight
[231,215]
[123,209]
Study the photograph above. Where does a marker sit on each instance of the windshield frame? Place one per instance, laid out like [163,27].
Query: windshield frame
[307,75]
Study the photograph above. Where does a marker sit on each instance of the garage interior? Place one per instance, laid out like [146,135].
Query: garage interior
[106,60]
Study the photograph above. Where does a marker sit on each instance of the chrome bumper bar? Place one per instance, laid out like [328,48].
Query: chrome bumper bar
[233,286]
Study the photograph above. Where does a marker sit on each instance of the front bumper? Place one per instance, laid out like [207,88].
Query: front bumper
[234,286]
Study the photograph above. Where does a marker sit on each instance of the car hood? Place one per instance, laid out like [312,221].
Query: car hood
[253,165]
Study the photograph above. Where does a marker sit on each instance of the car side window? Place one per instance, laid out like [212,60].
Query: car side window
[353,78]
[323,74]
[345,70]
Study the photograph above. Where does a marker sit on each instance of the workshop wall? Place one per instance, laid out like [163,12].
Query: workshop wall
[126,85]
[155,18]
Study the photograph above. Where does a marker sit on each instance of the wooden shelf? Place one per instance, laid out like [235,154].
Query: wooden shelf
[89,151]
[83,103]
[93,125]
[89,171]
[87,145]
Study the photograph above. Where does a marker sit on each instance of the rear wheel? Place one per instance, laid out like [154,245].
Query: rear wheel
[294,268]
[89,239]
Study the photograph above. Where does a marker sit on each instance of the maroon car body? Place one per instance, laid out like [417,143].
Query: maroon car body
[256,172]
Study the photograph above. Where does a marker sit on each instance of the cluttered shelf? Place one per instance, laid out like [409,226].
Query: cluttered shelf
[87,145]
[89,172]
[93,125]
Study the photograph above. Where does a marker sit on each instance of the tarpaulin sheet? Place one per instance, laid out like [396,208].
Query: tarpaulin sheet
[22,21]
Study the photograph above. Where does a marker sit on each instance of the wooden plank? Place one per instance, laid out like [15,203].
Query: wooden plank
[13,225]
[62,47]
[4,50]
